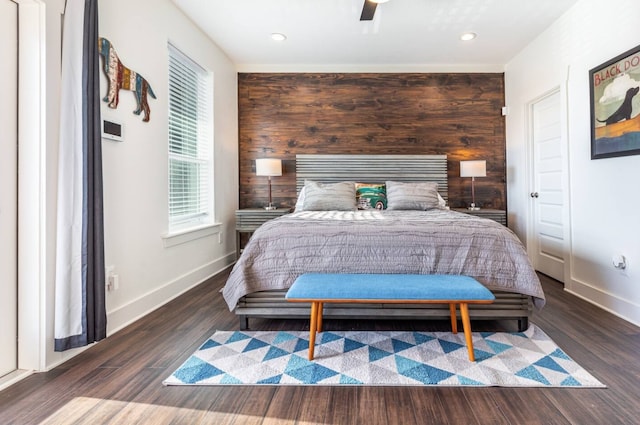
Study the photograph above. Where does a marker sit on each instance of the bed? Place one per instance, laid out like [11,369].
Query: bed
[380,241]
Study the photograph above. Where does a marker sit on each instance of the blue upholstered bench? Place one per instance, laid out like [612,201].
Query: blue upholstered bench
[320,288]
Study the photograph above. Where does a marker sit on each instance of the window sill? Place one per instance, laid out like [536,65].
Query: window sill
[187,235]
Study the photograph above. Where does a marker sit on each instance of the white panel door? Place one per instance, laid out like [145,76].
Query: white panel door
[547,194]
[8,186]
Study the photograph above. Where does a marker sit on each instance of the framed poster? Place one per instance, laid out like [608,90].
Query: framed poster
[615,106]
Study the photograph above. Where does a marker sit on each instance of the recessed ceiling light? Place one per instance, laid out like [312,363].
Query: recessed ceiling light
[278,36]
[468,36]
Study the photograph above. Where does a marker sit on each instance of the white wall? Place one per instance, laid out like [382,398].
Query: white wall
[135,171]
[604,194]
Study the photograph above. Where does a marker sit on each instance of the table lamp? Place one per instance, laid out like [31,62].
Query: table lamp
[473,169]
[269,167]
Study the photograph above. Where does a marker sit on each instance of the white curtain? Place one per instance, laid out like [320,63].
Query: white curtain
[80,316]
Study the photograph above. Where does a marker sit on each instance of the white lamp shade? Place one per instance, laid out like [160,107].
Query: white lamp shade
[268,167]
[473,168]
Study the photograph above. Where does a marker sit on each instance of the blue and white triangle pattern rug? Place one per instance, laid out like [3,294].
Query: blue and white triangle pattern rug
[524,359]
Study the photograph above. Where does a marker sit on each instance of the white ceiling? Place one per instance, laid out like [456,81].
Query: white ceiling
[405,35]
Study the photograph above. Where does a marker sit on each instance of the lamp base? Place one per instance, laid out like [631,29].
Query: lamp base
[270,208]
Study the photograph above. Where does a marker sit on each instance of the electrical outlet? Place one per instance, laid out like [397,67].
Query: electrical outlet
[220,237]
[111,279]
[113,282]
[619,261]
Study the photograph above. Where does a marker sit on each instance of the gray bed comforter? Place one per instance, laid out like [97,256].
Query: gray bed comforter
[371,241]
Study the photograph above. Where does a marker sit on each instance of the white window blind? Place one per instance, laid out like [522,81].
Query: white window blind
[190,143]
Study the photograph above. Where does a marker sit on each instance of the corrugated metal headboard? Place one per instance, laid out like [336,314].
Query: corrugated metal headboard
[373,169]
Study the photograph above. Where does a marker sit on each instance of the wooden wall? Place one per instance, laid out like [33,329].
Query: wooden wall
[281,115]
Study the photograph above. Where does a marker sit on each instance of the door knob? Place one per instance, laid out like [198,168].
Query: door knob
[534,194]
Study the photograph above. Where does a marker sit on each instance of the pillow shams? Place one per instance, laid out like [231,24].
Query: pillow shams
[412,196]
[329,196]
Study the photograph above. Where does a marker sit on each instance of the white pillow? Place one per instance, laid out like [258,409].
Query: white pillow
[300,201]
[329,196]
[412,196]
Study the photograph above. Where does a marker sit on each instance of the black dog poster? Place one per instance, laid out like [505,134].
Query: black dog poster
[615,106]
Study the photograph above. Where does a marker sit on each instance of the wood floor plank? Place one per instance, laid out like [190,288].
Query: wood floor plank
[370,407]
[456,407]
[257,401]
[67,387]
[399,406]
[74,412]
[602,407]
[135,413]
[119,380]
[342,405]
[180,406]
[22,390]
[284,406]
[249,409]
[527,406]
[428,406]
[485,407]
[314,405]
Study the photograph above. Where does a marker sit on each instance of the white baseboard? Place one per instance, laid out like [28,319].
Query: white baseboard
[140,307]
[609,302]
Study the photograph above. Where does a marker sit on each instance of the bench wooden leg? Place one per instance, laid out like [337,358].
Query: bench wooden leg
[319,326]
[454,319]
[466,324]
[312,328]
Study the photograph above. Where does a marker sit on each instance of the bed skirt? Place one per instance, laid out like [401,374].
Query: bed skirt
[271,304]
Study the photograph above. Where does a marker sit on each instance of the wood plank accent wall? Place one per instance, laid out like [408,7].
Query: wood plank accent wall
[284,114]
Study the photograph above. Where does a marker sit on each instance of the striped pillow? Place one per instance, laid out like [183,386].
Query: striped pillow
[329,196]
[412,196]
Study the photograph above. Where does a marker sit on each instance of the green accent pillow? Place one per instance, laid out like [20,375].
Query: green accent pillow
[371,196]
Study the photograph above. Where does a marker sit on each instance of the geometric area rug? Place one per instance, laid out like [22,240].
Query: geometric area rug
[392,358]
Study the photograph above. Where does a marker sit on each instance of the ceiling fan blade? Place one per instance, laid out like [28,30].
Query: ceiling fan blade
[368,10]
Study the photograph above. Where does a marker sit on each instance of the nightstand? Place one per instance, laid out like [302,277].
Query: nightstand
[249,219]
[496,215]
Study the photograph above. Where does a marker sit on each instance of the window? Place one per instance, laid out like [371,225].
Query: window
[190,143]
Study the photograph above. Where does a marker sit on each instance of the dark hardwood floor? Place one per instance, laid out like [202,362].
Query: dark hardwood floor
[119,380]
